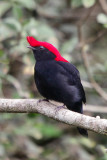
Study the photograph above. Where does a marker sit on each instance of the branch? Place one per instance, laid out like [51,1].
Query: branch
[97,37]
[87,84]
[95,85]
[84,19]
[103,4]
[46,108]
[96,109]
[83,47]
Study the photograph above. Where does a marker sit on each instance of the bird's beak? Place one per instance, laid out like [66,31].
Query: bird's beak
[33,48]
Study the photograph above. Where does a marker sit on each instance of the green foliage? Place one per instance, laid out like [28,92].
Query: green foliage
[85,3]
[76,3]
[32,115]
[102,18]
[88,3]
[4,7]
[17,11]
[49,131]
[103,158]
[69,45]
[41,19]
[30,4]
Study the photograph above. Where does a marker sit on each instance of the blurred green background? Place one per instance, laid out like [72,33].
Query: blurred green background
[33,136]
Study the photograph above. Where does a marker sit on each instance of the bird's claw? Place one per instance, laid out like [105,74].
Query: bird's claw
[58,108]
[41,100]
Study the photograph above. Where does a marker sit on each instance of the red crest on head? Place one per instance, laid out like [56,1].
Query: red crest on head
[34,43]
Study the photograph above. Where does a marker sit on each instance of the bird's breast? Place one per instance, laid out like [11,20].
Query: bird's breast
[43,75]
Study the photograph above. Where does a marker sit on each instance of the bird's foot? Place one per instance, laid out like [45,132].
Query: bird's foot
[40,100]
[59,107]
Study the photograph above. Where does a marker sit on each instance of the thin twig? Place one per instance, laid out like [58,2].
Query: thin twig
[103,4]
[84,19]
[95,85]
[82,45]
[95,109]
[95,38]
[73,16]
[87,84]
[81,22]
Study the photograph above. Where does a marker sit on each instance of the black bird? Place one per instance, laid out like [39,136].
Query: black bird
[56,78]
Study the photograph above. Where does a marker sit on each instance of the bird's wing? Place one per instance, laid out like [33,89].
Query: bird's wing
[70,68]
[60,76]
[74,77]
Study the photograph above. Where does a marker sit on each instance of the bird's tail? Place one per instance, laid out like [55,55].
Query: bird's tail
[79,108]
[83,132]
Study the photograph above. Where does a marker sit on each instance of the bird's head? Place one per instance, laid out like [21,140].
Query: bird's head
[44,50]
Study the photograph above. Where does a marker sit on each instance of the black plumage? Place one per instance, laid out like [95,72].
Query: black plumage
[59,81]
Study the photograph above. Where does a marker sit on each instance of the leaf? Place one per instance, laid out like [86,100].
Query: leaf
[12,23]
[20,48]
[76,3]
[102,18]
[1,92]
[88,3]
[30,4]
[4,7]
[49,130]
[8,28]
[69,45]
[1,53]
[30,27]
[39,30]
[45,32]
[5,32]
[17,11]
[32,115]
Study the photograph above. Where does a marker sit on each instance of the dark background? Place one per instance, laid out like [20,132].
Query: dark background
[78,28]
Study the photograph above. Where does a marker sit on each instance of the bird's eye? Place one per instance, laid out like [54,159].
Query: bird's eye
[41,47]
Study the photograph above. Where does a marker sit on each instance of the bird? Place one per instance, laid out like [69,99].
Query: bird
[57,79]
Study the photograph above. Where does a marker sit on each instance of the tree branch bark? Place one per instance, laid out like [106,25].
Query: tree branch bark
[46,108]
